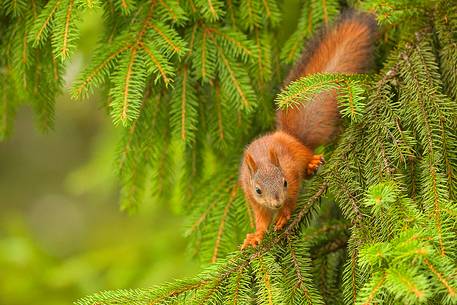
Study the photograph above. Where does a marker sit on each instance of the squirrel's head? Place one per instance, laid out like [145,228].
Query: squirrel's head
[267,183]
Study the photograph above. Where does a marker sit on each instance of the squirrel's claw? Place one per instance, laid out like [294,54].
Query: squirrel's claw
[252,239]
[313,165]
[282,220]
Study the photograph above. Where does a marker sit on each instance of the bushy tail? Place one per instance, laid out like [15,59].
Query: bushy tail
[345,47]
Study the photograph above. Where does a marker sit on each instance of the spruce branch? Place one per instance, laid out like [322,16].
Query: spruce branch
[125,6]
[212,10]
[95,75]
[158,64]
[220,230]
[128,88]
[192,82]
[14,8]
[184,112]
[221,271]
[313,15]
[350,92]
[172,10]
[167,39]
[451,290]
[62,40]
[41,27]
[369,293]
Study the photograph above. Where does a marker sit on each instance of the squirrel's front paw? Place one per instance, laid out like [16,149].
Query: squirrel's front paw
[282,220]
[252,239]
[313,165]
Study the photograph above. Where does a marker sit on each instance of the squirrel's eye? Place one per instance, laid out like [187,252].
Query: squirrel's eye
[285,183]
[258,190]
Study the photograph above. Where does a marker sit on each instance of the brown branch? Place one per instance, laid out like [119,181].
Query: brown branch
[232,76]
[450,289]
[126,84]
[267,281]
[353,276]
[375,290]
[183,103]
[243,262]
[220,124]
[222,223]
[156,62]
[297,269]
[67,29]
[167,39]
[94,72]
[47,21]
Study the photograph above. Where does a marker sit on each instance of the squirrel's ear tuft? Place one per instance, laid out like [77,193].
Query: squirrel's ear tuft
[250,163]
[273,157]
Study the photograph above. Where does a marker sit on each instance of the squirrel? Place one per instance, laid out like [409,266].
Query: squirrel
[275,164]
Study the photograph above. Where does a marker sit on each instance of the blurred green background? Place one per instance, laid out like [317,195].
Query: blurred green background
[62,235]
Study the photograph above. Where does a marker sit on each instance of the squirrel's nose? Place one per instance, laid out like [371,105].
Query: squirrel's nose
[277,197]
[276,204]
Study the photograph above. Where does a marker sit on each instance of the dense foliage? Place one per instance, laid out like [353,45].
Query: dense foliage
[191,82]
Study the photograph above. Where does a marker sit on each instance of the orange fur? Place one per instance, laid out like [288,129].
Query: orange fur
[347,47]
[287,154]
[293,158]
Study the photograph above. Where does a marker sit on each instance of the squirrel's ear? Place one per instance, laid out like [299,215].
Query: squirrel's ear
[273,157]
[250,163]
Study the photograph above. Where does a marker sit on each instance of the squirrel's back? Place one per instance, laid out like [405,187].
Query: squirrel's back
[345,47]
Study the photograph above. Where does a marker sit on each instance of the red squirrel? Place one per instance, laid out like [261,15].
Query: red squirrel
[274,165]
